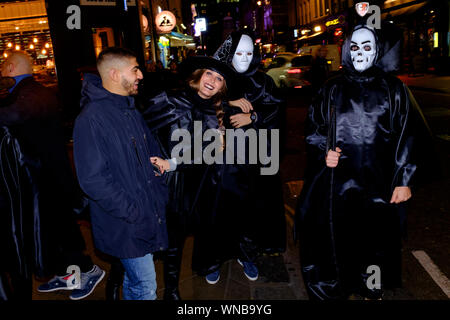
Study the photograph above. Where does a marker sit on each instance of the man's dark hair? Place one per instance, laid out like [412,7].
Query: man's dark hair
[110,54]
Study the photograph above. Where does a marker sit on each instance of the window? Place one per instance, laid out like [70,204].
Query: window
[302,61]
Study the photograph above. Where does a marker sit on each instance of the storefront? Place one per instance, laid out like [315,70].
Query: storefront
[24,27]
[426,34]
[172,44]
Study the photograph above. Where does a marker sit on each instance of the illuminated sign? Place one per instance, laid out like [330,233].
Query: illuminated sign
[165,21]
[339,20]
[104,2]
[200,24]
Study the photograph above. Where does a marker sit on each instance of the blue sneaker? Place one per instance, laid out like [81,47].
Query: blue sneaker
[58,283]
[250,270]
[89,281]
[213,277]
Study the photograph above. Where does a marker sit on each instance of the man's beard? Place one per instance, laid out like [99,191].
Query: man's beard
[129,87]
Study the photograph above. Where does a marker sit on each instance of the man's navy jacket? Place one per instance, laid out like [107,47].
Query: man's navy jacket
[112,149]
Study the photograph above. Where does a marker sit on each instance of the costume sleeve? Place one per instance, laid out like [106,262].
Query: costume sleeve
[95,177]
[159,111]
[270,108]
[316,129]
[408,123]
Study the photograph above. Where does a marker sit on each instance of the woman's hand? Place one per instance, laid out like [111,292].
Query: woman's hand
[163,165]
[401,194]
[242,103]
[240,120]
[332,158]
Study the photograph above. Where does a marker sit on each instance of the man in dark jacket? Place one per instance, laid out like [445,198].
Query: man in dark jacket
[112,151]
[31,114]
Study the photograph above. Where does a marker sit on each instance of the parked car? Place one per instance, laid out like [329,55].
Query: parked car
[333,55]
[290,70]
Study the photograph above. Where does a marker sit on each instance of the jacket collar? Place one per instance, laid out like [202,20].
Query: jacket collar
[93,90]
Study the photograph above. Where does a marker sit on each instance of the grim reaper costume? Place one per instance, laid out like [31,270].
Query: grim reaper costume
[345,220]
[263,192]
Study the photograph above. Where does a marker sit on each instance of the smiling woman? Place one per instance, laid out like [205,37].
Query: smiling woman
[208,84]
[193,186]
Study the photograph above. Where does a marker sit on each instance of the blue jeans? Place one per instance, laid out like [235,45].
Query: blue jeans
[139,282]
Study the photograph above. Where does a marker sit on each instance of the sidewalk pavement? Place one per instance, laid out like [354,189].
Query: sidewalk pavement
[427,82]
[279,275]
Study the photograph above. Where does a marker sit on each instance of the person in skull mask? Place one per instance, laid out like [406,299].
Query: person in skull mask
[258,106]
[364,136]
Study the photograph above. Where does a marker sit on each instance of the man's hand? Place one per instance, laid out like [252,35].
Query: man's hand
[332,158]
[163,165]
[240,120]
[242,103]
[401,194]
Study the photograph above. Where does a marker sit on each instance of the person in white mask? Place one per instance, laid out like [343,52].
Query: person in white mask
[260,213]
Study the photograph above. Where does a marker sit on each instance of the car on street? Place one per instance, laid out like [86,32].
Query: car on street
[291,70]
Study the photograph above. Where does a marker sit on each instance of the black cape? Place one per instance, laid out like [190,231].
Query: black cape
[344,217]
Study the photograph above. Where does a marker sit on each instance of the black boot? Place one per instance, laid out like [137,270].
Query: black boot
[114,281]
[172,264]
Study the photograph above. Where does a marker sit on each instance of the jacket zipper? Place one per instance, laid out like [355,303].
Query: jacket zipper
[135,149]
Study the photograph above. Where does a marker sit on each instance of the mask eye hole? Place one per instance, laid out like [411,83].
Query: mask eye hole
[367,48]
[249,53]
[239,53]
[354,47]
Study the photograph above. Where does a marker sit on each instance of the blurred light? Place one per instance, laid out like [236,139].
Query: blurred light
[258,40]
[5,55]
[432,11]
[328,61]
[317,28]
[35,40]
[17,28]
[295,70]
[31,46]
[44,51]
[436,40]
[183,26]
[298,87]
[9,45]
[159,9]
[259,3]
[17,47]
[47,45]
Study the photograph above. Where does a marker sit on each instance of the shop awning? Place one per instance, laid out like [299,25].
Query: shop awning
[180,40]
[403,11]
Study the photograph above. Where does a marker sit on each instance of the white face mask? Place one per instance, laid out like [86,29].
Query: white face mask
[363,49]
[243,55]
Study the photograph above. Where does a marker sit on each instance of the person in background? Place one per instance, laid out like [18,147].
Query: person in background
[31,114]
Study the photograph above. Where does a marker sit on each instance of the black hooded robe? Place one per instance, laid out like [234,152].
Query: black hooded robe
[344,217]
[266,220]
